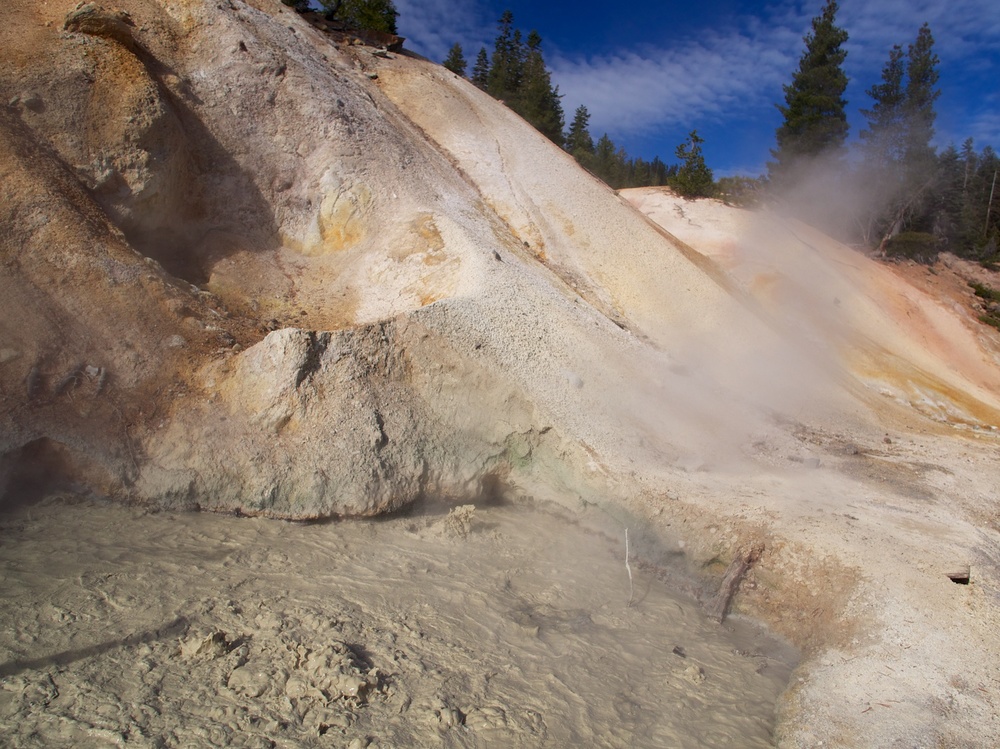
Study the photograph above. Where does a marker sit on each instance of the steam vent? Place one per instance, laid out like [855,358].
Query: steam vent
[648,471]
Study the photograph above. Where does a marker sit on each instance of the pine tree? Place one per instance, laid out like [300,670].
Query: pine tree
[969,225]
[638,173]
[693,179]
[739,190]
[969,162]
[884,139]
[481,70]
[983,223]
[948,198]
[605,163]
[659,172]
[815,120]
[536,100]
[376,15]
[609,162]
[455,61]
[961,199]
[506,66]
[622,169]
[883,145]
[921,78]
[331,6]
[991,228]
[963,219]
[578,140]
[914,203]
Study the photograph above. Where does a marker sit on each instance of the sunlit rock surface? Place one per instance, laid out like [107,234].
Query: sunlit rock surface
[250,266]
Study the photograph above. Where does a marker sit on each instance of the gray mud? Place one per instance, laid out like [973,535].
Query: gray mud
[502,625]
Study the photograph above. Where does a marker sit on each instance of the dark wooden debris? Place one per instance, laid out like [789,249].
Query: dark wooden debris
[718,607]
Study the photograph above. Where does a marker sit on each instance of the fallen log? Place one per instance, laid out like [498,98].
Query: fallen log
[718,607]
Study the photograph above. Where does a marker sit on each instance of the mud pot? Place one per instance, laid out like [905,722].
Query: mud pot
[499,625]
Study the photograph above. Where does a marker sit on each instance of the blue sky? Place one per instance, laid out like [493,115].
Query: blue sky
[649,71]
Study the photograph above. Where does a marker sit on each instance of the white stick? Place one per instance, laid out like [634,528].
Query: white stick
[631,589]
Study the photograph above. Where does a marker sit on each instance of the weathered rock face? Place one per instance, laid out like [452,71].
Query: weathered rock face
[309,424]
[85,319]
[124,178]
[125,122]
[151,146]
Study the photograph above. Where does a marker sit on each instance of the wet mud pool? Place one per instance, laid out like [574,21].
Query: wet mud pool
[505,625]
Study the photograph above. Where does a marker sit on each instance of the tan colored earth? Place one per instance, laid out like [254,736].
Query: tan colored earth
[257,267]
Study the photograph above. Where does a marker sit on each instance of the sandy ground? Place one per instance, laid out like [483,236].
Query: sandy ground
[504,625]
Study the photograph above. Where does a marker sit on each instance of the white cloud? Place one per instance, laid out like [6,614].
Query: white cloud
[722,74]
[736,69]
[732,72]
[962,29]
[433,26]
[966,40]
[983,128]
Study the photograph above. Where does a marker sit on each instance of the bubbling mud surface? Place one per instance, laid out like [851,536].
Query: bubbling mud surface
[501,625]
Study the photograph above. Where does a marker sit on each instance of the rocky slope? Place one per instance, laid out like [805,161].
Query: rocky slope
[238,149]
[247,174]
[250,265]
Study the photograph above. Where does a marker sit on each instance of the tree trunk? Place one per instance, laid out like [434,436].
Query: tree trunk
[902,213]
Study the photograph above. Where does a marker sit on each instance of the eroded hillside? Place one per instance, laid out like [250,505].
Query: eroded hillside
[261,179]
[252,266]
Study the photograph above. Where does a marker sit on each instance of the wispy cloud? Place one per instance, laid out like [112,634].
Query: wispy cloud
[718,76]
[967,41]
[735,70]
[730,74]
[433,26]
[983,128]
[962,29]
